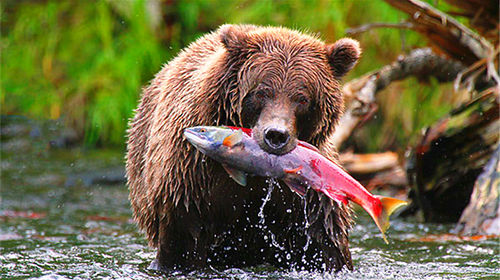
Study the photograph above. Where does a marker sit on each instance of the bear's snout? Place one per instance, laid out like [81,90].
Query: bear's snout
[275,128]
[276,137]
[276,134]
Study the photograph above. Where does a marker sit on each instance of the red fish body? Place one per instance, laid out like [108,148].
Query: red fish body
[302,168]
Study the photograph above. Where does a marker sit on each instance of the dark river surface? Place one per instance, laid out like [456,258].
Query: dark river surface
[64,214]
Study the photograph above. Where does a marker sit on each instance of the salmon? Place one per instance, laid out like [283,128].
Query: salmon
[302,168]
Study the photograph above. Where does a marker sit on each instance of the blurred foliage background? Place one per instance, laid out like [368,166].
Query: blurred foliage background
[85,61]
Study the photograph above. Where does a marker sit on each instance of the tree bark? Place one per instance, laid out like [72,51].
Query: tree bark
[482,215]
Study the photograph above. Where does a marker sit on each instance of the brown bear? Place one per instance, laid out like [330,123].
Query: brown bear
[285,86]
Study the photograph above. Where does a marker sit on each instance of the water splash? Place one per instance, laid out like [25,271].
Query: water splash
[271,183]
[306,224]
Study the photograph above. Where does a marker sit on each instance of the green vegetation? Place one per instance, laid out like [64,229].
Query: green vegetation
[86,62]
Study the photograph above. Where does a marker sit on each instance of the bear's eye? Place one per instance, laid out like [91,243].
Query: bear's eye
[261,93]
[303,99]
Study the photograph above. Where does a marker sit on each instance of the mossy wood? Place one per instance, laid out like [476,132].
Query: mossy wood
[449,157]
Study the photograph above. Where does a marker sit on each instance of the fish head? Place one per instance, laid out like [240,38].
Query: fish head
[211,139]
[224,144]
[206,138]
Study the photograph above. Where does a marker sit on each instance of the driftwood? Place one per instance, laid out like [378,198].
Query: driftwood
[482,215]
[452,153]
[368,163]
[449,157]
[360,93]
[375,170]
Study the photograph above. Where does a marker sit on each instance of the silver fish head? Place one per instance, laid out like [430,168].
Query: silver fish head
[208,139]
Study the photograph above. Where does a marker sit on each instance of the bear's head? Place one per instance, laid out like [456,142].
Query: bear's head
[287,83]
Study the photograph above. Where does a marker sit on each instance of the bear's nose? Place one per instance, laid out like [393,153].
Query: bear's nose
[276,138]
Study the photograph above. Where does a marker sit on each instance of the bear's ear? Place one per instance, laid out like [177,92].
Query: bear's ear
[343,55]
[233,38]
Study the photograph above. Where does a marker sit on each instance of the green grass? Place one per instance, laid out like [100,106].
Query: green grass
[83,62]
[86,62]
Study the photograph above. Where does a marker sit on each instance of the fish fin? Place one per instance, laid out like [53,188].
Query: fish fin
[389,205]
[293,171]
[335,196]
[239,176]
[233,139]
[296,186]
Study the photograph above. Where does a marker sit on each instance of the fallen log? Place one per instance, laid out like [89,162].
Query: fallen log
[445,164]
[449,157]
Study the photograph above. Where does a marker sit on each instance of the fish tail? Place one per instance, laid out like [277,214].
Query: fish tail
[389,205]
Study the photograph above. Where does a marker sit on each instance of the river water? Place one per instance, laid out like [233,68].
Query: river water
[64,214]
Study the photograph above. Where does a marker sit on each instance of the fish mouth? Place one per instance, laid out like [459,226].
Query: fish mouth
[196,139]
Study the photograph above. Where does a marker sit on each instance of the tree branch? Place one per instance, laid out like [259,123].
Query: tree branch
[444,32]
[360,93]
[482,14]
[363,28]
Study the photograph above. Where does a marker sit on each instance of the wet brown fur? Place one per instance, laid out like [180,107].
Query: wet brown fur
[186,204]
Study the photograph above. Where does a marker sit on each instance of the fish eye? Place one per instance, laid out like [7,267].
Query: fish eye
[203,130]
